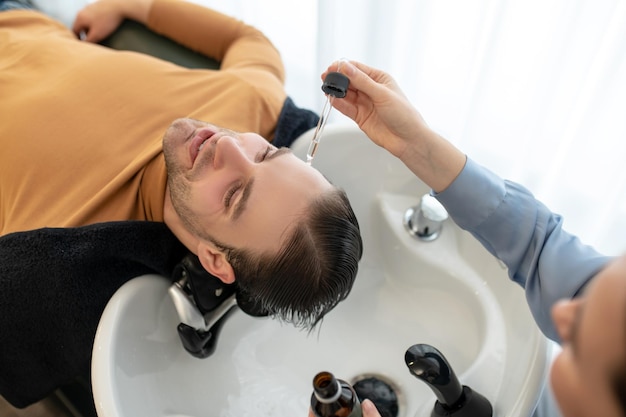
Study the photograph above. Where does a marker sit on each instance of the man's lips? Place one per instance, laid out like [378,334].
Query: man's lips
[201,136]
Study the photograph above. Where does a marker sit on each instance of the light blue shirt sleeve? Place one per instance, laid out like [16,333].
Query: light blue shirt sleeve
[505,217]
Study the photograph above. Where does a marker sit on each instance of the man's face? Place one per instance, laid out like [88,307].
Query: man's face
[593,332]
[237,187]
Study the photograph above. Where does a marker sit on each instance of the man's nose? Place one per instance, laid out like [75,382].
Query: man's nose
[229,153]
[563,315]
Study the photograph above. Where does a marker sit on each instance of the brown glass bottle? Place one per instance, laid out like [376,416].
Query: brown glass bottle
[333,397]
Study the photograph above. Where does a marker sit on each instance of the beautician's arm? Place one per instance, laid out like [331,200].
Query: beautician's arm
[511,224]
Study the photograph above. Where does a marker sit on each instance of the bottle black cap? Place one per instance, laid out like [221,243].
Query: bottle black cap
[336,84]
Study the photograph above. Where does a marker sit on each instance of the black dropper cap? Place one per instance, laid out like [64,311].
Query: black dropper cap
[336,84]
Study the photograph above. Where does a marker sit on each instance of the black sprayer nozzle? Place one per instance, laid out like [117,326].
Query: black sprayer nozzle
[453,399]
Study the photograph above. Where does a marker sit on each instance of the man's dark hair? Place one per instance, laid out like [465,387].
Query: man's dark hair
[618,385]
[312,272]
[618,382]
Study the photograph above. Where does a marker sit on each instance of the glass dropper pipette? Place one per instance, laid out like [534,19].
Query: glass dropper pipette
[335,86]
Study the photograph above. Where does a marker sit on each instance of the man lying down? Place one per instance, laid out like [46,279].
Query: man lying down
[115,164]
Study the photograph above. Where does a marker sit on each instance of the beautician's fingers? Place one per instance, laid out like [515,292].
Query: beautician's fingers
[371,81]
[368,408]
[376,103]
[386,116]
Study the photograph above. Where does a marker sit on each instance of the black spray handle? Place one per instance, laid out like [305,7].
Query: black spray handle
[453,399]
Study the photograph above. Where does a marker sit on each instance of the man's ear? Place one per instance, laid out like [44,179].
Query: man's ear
[215,262]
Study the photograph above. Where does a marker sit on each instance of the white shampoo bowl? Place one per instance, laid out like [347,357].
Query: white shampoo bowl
[449,293]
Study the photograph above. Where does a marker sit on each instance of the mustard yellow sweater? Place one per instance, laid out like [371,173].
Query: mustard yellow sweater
[81,125]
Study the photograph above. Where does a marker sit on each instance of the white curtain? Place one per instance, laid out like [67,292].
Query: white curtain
[534,89]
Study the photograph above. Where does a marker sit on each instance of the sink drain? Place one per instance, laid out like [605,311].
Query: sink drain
[381,391]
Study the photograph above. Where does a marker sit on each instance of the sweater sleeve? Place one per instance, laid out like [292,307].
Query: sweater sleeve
[230,41]
[550,263]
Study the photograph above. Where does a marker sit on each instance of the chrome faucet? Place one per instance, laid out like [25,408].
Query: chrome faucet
[424,221]
[197,330]
[189,313]
[203,303]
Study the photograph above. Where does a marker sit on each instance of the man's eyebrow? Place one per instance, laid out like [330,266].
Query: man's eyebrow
[241,205]
[279,152]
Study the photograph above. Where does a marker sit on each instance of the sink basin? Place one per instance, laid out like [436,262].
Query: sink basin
[449,293]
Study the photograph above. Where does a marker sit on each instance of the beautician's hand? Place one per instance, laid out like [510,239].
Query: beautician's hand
[100,19]
[368,408]
[376,103]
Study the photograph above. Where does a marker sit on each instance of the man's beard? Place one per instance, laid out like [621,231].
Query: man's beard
[179,191]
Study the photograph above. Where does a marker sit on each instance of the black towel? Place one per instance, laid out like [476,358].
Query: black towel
[55,283]
[293,122]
